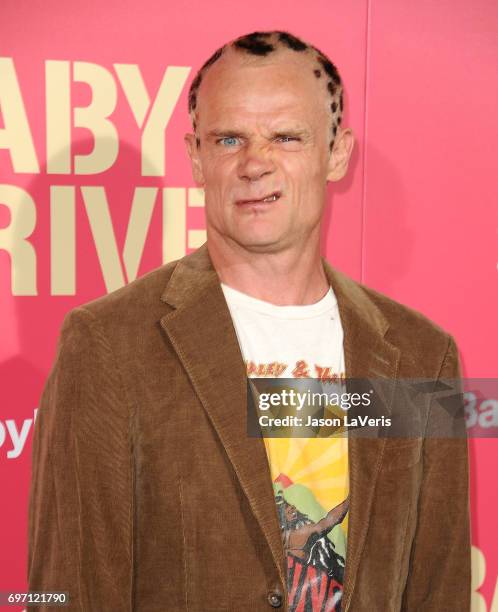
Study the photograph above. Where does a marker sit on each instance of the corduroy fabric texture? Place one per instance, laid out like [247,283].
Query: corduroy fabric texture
[148,495]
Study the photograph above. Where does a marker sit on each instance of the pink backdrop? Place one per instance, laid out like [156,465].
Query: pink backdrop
[415,218]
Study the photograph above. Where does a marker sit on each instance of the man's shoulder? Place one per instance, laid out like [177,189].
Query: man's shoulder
[138,300]
[405,323]
[400,315]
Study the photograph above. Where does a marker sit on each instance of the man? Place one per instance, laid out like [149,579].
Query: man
[148,493]
[306,540]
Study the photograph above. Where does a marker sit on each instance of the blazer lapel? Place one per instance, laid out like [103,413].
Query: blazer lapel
[367,355]
[201,331]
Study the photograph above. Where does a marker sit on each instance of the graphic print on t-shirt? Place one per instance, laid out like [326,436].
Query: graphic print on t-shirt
[309,475]
[299,369]
[311,493]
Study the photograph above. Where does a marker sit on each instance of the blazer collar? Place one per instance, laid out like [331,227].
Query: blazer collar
[201,331]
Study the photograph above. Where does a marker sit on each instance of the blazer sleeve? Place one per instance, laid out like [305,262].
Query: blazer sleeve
[81,502]
[439,573]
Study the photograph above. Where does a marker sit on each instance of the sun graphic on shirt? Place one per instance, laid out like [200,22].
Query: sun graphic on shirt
[319,464]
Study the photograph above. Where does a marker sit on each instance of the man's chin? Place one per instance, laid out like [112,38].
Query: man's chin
[261,244]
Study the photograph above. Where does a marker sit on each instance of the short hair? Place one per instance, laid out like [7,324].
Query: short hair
[264,43]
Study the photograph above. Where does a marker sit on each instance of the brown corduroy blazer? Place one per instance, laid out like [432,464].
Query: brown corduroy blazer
[148,495]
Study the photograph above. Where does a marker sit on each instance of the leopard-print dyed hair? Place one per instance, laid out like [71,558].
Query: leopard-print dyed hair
[262,44]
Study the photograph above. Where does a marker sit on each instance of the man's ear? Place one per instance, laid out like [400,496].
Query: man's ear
[193,152]
[340,155]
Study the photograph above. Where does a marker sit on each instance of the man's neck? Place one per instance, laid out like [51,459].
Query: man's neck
[288,277]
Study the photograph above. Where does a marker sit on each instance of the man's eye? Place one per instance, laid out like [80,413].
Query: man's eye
[229,141]
[285,138]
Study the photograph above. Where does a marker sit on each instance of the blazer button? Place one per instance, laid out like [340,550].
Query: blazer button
[274,599]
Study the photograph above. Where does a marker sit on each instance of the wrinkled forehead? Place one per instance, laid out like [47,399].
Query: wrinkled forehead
[283,81]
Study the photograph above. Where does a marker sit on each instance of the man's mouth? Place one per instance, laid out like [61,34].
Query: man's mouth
[272,197]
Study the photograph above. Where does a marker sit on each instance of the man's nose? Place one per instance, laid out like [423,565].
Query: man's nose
[255,162]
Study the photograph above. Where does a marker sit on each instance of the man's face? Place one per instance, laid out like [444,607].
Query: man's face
[290,513]
[264,127]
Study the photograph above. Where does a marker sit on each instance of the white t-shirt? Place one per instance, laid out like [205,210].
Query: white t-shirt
[306,339]
[310,475]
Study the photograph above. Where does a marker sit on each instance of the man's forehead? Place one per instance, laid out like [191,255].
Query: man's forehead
[282,81]
[234,62]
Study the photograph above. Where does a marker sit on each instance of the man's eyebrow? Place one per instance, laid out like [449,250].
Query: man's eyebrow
[223,133]
[283,131]
[291,132]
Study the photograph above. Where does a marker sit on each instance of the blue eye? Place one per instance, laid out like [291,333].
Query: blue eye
[229,141]
[287,138]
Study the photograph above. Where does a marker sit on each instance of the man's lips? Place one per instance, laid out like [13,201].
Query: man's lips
[266,199]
